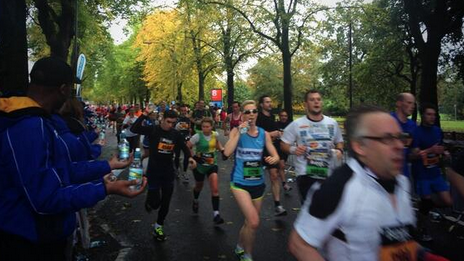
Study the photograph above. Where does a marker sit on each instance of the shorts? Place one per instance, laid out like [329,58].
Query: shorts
[256,192]
[427,187]
[269,166]
[200,176]
[145,142]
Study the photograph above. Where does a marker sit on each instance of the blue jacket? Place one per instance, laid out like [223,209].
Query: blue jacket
[40,187]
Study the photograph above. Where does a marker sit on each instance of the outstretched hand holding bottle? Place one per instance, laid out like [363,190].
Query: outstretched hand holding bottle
[123,187]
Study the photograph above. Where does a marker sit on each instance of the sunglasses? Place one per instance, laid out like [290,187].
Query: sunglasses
[254,111]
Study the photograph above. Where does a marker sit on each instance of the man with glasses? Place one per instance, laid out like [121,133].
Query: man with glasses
[266,120]
[319,144]
[160,172]
[363,211]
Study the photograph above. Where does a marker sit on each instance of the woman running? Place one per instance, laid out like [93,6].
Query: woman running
[247,143]
[206,143]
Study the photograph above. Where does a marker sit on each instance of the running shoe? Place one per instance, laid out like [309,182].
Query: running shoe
[239,252]
[280,211]
[158,233]
[218,220]
[195,206]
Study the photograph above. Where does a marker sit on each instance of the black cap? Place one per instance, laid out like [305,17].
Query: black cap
[52,71]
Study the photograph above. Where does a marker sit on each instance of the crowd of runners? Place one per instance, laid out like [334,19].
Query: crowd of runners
[356,183]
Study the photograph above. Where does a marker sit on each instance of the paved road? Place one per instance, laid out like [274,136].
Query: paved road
[194,237]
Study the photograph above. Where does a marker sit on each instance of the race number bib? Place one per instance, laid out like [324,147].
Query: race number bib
[252,170]
[397,244]
[165,146]
[406,251]
[317,162]
[430,160]
[208,158]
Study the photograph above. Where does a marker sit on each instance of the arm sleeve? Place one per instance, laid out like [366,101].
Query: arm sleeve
[91,135]
[139,129]
[194,139]
[289,135]
[45,177]
[86,171]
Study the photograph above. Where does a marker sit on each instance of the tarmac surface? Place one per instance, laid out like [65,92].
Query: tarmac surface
[121,228]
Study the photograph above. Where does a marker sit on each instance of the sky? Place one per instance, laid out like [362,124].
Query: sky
[116,28]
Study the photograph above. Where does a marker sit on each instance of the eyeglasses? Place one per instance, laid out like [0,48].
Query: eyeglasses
[254,111]
[389,139]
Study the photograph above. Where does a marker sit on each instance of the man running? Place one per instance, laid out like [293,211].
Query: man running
[198,114]
[206,144]
[429,151]
[405,104]
[318,140]
[160,172]
[363,211]
[183,126]
[232,120]
[282,124]
[266,120]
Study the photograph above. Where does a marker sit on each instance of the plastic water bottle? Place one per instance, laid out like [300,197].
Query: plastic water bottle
[136,170]
[101,136]
[123,147]
[245,129]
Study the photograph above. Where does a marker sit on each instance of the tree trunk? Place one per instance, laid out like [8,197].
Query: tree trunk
[179,92]
[13,48]
[230,86]
[59,41]
[287,66]
[201,86]
[428,86]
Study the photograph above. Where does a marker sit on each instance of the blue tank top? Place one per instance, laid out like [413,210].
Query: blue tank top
[248,168]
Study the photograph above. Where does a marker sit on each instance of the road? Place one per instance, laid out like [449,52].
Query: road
[125,226]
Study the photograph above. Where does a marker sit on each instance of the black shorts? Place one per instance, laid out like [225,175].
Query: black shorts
[256,192]
[269,166]
[200,176]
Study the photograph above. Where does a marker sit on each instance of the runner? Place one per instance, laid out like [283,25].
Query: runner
[232,120]
[428,149]
[132,138]
[183,126]
[198,114]
[405,104]
[282,124]
[266,120]
[160,172]
[318,140]
[206,143]
[363,211]
[247,180]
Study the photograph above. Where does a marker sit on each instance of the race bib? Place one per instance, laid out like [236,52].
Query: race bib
[430,160]
[165,146]
[252,170]
[208,158]
[406,251]
[317,162]
[397,244]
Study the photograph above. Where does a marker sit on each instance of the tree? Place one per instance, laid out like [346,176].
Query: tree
[167,55]
[13,48]
[196,30]
[434,21]
[282,23]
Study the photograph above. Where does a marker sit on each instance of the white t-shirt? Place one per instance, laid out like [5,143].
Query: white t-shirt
[129,121]
[351,217]
[320,138]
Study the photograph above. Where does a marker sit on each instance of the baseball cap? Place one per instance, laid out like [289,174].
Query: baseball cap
[52,71]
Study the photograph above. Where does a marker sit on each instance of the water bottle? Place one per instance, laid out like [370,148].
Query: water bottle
[245,129]
[123,147]
[101,136]
[136,170]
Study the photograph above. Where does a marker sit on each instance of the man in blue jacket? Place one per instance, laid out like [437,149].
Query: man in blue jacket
[40,188]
